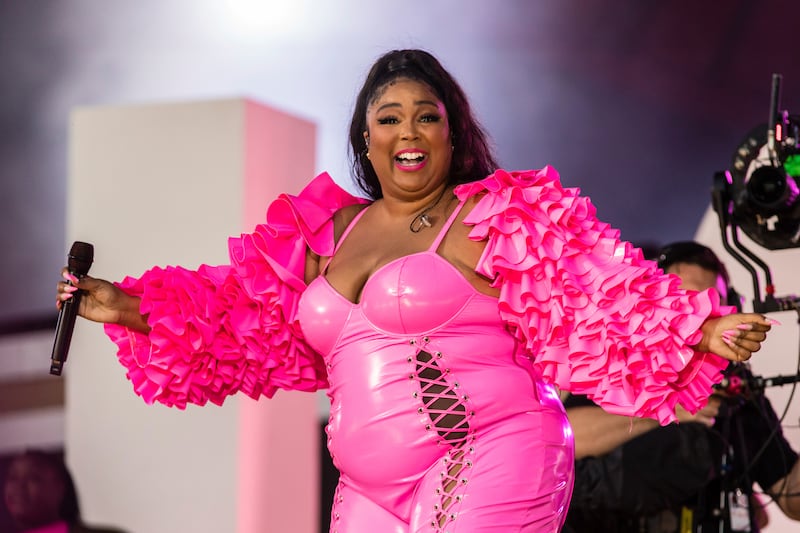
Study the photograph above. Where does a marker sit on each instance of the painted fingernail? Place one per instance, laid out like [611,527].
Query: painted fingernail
[745,327]
[773,322]
[69,277]
[729,342]
[65,296]
[730,333]
[70,288]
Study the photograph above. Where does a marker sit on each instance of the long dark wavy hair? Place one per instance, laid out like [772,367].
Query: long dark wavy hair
[472,156]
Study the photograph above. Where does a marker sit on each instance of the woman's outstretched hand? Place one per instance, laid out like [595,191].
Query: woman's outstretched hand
[735,337]
[101,301]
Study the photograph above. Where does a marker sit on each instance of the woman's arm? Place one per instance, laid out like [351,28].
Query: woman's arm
[193,336]
[598,432]
[593,315]
[102,301]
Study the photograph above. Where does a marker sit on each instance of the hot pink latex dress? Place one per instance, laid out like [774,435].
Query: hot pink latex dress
[443,411]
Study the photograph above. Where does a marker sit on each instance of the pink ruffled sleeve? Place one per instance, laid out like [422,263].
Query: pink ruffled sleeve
[224,329]
[595,317]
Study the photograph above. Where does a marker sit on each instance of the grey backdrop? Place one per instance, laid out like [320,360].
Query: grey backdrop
[637,102]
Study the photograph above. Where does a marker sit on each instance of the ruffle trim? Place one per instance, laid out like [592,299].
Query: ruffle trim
[224,329]
[594,316]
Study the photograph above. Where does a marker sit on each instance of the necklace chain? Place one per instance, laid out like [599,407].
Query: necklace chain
[423,219]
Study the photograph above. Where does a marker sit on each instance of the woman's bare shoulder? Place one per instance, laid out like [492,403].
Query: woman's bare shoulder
[343,217]
[469,205]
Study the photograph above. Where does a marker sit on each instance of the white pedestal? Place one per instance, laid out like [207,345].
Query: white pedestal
[166,185]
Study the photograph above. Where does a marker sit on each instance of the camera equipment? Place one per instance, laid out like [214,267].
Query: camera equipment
[760,195]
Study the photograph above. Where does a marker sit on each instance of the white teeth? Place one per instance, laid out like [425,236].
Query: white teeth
[411,155]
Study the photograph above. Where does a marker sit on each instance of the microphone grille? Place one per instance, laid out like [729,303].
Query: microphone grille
[80,258]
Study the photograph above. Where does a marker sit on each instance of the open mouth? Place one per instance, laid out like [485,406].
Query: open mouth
[410,159]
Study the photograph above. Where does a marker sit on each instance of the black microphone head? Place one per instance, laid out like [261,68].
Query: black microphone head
[80,258]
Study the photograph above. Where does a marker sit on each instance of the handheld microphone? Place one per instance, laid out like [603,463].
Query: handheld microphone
[79,260]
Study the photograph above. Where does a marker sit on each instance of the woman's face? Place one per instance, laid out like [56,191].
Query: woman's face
[408,139]
[33,492]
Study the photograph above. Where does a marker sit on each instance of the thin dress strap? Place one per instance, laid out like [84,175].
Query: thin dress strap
[438,240]
[342,237]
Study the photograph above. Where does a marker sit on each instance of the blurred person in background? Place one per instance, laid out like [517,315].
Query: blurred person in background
[633,475]
[41,497]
